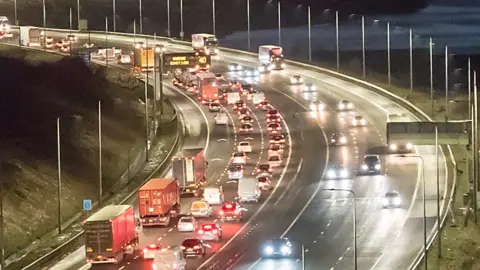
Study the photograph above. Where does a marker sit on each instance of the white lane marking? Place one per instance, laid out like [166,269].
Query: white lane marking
[263,204]
[318,185]
[121,267]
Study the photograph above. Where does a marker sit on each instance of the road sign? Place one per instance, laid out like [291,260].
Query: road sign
[180,60]
[423,133]
[87,205]
[82,25]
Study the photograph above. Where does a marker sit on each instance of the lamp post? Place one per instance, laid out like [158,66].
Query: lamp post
[140,15]
[181,20]
[78,14]
[389,67]
[336,38]
[15,15]
[100,173]
[168,18]
[430,45]
[446,83]
[248,24]
[309,35]
[411,59]
[279,11]
[59,183]
[213,17]
[114,7]
[354,220]
[424,207]
[363,48]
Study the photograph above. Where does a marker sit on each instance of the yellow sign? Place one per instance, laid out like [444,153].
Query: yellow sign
[202,60]
[179,61]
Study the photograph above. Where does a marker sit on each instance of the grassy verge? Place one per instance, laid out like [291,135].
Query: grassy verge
[122,143]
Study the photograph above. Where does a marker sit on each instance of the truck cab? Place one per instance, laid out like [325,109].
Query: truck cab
[271,55]
[400,147]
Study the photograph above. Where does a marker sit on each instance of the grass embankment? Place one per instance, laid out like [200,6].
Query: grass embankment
[37,88]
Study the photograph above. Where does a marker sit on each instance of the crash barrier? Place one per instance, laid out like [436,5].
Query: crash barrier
[399,100]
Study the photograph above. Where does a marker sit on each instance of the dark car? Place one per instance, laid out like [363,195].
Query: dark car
[194,247]
[280,247]
[371,164]
[230,211]
[264,168]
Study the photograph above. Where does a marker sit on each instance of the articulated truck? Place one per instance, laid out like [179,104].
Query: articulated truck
[208,88]
[271,55]
[110,233]
[30,36]
[190,170]
[206,43]
[143,60]
[158,202]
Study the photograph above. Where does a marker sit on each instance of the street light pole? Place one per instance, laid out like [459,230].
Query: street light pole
[337,44]
[44,23]
[59,183]
[388,56]
[430,44]
[15,15]
[168,18]
[78,14]
[354,221]
[106,41]
[439,227]
[303,257]
[469,88]
[475,146]
[213,17]
[141,15]
[309,35]
[100,174]
[181,20]
[446,83]
[279,24]
[114,16]
[248,24]
[363,48]
[411,60]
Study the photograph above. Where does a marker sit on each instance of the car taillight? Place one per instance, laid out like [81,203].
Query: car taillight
[197,247]
[200,231]
[221,213]
[237,212]
[269,128]
[214,231]
[279,128]
[258,170]
[174,266]
[145,250]
[182,247]
[269,169]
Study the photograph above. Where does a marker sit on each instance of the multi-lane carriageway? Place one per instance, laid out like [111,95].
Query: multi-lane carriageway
[298,207]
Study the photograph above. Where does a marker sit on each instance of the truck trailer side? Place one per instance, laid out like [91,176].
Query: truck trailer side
[158,201]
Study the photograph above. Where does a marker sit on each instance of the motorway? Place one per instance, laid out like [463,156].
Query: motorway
[298,209]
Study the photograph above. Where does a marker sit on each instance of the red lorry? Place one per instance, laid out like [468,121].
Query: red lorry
[110,233]
[158,201]
[190,170]
[208,89]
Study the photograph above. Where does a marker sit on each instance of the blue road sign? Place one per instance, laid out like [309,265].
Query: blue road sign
[87,205]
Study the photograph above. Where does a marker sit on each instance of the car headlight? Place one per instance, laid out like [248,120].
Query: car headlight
[344,173]
[268,250]
[321,106]
[364,122]
[341,106]
[231,68]
[393,147]
[364,167]
[385,201]
[285,250]
[397,201]
[343,140]
[354,122]
[378,166]
[331,174]
[350,105]
[282,65]
[409,146]
[305,88]
[333,140]
[216,50]
[239,67]
[256,72]
[261,68]
[293,80]
[313,87]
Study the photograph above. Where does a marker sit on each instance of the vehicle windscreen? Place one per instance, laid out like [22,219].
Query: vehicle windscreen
[186,219]
[277,242]
[391,195]
[244,143]
[274,158]
[358,117]
[262,179]
[235,168]
[238,155]
[371,159]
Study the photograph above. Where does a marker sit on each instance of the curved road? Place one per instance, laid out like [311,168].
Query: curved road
[320,220]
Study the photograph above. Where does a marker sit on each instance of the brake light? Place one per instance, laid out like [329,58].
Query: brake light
[182,247]
[214,231]
[197,247]
[269,169]
[207,226]
[229,206]
[258,170]
[237,212]
[269,128]
[174,266]
[145,250]
[200,231]
[221,213]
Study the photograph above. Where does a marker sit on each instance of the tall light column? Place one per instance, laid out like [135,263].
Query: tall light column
[475,146]
[78,14]
[59,182]
[15,15]
[388,56]
[430,44]
[140,15]
[336,37]
[411,60]
[439,226]
[279,24]
[446,83]
[181,20]
[469,85]
[44,22]
[114,15]
[248,24]
[213,17]
[309,35]
[363,48]
[168,18]
[106,41]
[100,174]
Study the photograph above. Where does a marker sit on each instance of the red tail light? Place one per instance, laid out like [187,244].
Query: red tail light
[200,231]
[214,231]
[182,247]
[237,212]
[145,250]
[258,170]
[269,128]
[221,213]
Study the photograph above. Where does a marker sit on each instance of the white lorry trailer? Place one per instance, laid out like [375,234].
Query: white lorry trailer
[271,55]
[206,43]
[248,190]
[30,36]
[399,147]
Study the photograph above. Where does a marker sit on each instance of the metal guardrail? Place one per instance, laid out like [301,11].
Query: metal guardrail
[338,75]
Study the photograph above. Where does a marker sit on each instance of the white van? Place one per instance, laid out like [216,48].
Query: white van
[248,190]
[221,119]
[201,209]
[169,259]
[258,97]
[213,195]
[233,97]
